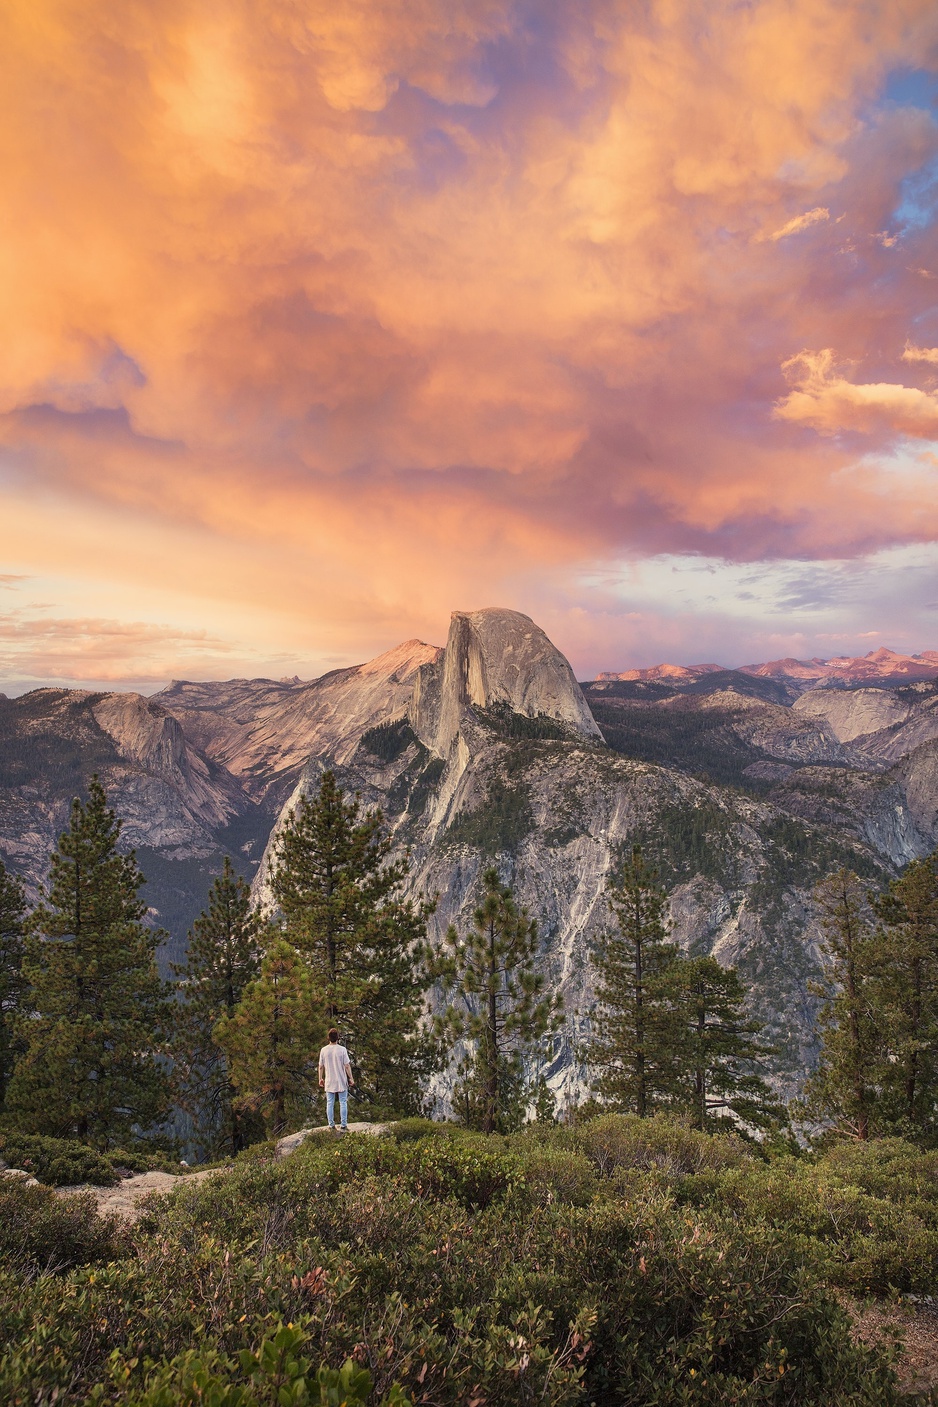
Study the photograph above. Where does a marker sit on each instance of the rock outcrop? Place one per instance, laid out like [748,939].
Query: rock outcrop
[496,658]
[489,752]
[263,731]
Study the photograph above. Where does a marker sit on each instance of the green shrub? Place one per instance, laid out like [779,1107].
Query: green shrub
[41,1232]
[141,1160]
[471,1268]
[58,1162]
[617,1141]
[275,1374]
[408,1130]
[855,1239]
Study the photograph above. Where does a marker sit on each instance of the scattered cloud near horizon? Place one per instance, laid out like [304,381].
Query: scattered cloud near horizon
[330,319]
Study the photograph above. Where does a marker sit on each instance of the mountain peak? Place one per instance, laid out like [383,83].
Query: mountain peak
[402,660]
[497,656]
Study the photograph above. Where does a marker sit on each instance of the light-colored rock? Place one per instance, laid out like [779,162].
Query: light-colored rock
[918,777]
[291,1141]
[145,733]
[20,1175]
[497,657]
[852,713]
[263,731]
[126,1199]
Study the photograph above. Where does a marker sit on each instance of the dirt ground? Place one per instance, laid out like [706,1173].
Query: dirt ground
[917,1323]
[125,1200]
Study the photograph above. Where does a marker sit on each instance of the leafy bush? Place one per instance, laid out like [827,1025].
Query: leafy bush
[862,1241]
[408,1130]
[63,1162]
[41,1233]
[58,1162]
[275,1374]
[460,1268]
[617,1141]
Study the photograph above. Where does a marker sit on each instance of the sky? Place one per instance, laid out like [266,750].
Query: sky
[324,318]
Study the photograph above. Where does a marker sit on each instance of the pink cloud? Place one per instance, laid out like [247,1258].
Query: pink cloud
[362,308]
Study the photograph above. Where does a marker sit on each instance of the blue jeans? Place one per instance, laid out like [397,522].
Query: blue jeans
[330,1106]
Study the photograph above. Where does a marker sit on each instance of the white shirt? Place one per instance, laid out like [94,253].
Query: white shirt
[334,1062]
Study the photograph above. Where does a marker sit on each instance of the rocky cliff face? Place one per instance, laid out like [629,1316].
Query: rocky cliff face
[196,772]
[502,763]
[489,752]
[263,732]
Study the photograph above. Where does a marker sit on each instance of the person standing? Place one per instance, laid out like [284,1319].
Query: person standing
[335,1077]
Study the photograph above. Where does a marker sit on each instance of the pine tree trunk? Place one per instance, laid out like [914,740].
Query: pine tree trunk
[916,1014]
[641,1096]
[491,1074]
[700,1075]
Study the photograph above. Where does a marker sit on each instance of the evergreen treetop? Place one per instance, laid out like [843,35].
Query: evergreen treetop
[497,1001]
[223,957]
[844,1086]
[98,1009]
[637,1039]
[272,1039]
[906,997]
[13,986]
[337,889]
[721,1050]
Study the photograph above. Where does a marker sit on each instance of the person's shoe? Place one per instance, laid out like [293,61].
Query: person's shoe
[343,1128]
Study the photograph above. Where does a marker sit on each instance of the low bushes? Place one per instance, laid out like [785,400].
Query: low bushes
[610,1264]
[41,1233]
[62,1162]
[58,1162]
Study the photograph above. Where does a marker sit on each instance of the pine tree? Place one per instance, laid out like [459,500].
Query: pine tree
[496,1002]
[91,1068]
[844,1087]
[637,1032]
[906,994]
[13,987]
[272,1039]
[720,1050]
[224,956]
[336,887]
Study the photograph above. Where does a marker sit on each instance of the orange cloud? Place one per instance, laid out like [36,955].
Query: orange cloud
[830,403]
[799,223]
[352,311]
[920,354]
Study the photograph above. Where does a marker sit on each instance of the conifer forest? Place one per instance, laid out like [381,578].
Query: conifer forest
[677,1233]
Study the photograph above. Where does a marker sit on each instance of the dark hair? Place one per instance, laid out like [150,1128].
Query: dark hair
[333,1034]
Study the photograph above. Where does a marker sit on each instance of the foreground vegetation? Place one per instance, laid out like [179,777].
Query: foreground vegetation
[622,1261]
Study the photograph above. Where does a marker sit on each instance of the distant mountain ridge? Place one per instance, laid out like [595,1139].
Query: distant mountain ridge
[882,668]
[744,785]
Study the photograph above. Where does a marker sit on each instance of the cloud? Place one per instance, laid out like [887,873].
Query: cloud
[799,223]
[329,318]
[920,354]
[828,402]
[71,650]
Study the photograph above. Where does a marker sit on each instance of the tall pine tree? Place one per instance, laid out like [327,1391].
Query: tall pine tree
[496,1002]
[97,1010]
[843,1089]
[720,1052]
[637,1039]
[272,1040]
[337,889]
[224,956]
[13,986]
[906,994]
